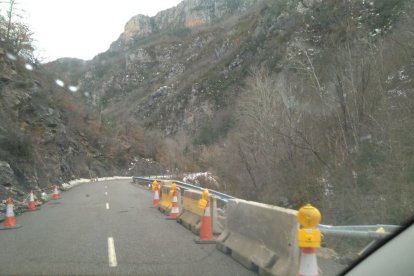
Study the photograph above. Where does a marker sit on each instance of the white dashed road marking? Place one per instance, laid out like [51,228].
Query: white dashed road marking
[111,252]
[107,206]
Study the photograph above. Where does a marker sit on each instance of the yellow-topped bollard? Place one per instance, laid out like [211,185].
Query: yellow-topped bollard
[172,188]
[202,203]
[154,185]
[309,216]
[308,236]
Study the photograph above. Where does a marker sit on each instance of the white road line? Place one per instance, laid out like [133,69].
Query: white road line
[107,206]
[106,187]
[106,193]
[111,253]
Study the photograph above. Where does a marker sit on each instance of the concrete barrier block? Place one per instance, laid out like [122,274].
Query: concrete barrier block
[188,219]
[262,237]
[190,216]
[165,199]
[220,245]
[167,182]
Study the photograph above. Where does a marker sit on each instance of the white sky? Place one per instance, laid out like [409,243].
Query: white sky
[82,28]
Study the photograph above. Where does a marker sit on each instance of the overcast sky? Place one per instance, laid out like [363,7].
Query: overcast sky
[82,28]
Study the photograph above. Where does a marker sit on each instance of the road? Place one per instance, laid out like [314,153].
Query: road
[107,228]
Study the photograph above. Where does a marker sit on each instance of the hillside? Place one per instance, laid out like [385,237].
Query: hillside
[286,101]
[48,135]
[39,144]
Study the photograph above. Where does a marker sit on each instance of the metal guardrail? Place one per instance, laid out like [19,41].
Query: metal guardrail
[359,231]
[183,185]
[353,231]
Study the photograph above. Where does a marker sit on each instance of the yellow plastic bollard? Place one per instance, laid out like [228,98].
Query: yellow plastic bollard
[309,217]
[202,203]
[154,185]
[172,189]
[309,238]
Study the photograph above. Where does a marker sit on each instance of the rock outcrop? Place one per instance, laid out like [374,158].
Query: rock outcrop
[187,14]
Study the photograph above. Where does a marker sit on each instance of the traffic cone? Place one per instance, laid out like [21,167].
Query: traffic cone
[308,263]
[156,200]
[174,209]
[32,204]
[56,193]
[206,234]
[10,219]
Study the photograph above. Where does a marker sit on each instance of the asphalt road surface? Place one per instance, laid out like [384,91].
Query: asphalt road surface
[107,228]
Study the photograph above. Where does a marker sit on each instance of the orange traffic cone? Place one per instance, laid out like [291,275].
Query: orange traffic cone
[156,200]
[32,204]
[206,234]
[308,264]
[174,209]
[56,193]
[10,219]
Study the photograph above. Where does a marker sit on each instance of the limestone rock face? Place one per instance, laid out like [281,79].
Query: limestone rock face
[138,25]
[187,14]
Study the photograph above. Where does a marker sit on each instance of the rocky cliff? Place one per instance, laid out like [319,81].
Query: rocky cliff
[185,66]
[175,70]
[187,14]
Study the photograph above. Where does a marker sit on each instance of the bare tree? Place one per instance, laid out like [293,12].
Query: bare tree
[16,33]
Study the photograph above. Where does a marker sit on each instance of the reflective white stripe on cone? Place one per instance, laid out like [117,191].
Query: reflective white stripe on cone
[10,219]
[308,262]
[174,209]
[32,204]
[156,200]
[9,210]
[56,193]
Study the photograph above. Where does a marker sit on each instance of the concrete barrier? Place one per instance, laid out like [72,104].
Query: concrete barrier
[166,198]
[190,217]
[261,236]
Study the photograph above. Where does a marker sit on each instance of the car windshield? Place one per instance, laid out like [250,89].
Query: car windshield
[278,132]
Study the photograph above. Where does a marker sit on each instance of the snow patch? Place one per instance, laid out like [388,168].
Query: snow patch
[196,178]
[76,182]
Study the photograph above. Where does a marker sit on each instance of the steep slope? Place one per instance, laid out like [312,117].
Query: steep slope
[48,135]
[44,136]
